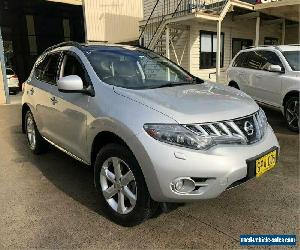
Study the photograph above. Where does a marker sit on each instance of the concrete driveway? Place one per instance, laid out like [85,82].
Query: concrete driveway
[49,202]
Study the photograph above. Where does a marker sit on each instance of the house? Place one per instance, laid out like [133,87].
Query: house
[204,35]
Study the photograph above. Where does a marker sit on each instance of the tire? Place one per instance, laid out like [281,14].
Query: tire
[36,142]
[291,113]
[115,162]
[234,85]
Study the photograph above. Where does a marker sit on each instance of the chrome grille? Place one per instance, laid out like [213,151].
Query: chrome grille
[245,130]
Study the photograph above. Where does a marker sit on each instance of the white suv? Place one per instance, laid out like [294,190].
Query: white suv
[152,132]
[271,75]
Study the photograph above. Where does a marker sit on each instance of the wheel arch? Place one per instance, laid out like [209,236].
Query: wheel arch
[288,95]
[233,84]
[103,138]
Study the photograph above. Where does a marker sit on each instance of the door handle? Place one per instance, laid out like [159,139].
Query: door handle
[53,100]
[259,76]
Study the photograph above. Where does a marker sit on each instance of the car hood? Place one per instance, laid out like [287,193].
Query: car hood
[197,103]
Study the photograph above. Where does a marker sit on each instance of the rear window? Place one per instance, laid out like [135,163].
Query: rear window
[9,72]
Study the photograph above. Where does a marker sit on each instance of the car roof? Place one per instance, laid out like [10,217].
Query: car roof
[90,47]
[290,47]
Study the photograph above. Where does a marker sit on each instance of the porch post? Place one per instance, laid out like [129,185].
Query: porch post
[4,93]
[168,50]
[283,32]
[168,42]
[257,31]
[218,59]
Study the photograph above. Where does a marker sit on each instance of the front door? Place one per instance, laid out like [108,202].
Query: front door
[268,84]
[71,109]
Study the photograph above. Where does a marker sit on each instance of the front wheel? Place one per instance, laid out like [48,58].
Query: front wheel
[291,113]
[121,186]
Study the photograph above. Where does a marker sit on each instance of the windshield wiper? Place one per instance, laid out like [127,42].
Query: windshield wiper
[173,84]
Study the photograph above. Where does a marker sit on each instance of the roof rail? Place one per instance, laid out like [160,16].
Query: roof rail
[69,43]
[293,44]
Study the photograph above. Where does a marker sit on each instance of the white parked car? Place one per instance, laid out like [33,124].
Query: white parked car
[270,75]
[152,132]
[12,81]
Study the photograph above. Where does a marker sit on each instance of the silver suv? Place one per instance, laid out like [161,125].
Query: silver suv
[270,75]
[152,132]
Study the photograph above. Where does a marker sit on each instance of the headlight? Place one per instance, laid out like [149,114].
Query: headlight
[181,136]
[262,120]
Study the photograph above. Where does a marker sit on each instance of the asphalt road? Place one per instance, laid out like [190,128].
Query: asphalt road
[49,202]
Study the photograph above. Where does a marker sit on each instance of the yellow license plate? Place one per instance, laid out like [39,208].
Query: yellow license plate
[266,162]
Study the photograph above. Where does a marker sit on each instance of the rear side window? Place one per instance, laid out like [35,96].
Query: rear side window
[47,70]
[254,60]
[238,62]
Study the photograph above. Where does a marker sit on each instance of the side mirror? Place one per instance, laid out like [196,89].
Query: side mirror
[275,68]
[73,84]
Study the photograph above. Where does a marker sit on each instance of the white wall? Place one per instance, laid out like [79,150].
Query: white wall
[113,20]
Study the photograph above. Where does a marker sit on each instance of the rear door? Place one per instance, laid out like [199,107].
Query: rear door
[45,94]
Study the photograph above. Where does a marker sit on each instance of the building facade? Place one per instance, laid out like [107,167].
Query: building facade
[204,36]
[28,27]
[113,21]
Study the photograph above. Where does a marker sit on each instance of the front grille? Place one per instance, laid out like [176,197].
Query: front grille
[248,130]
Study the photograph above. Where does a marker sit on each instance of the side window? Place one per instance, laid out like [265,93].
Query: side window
[255,60]
[238,62]
[47,70]
[270,59]
[39,69]
[72,66]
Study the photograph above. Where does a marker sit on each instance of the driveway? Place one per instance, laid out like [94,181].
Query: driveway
[49,202]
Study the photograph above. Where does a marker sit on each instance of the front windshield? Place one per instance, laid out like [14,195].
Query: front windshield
[293,58]
[136,68]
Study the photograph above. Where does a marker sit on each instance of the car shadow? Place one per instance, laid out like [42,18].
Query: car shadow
[67,174]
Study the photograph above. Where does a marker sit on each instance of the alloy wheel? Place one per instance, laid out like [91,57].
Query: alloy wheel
[30,131]
[292,114]
[118,185]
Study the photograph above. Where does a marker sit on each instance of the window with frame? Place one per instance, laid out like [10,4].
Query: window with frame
[47,70]
[208,49]
[261,60]
[72,66]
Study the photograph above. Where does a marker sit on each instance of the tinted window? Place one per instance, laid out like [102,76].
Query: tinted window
[46,71]
[9,72]
[72,66]
[238,62]
[254,60]
[269,58]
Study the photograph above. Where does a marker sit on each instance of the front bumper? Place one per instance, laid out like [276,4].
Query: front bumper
[218,168]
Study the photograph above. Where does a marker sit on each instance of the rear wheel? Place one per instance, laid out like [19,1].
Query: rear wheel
[35,141]
[291,113]
[121,186]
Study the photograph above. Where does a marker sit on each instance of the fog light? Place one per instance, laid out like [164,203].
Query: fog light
[179,185]
[183,185]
